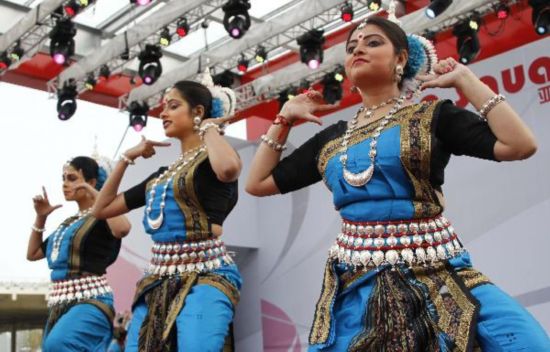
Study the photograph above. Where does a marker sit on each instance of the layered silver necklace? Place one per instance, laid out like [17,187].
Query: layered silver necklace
[61,230]
[362,178]
[173,169]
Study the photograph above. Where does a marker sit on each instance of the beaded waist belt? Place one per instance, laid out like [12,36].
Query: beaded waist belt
[172,258]
[371,244]
[86,287]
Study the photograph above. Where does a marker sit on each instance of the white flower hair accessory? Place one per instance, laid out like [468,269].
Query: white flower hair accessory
[224,100]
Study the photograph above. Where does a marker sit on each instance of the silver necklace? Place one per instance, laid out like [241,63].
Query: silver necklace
[61,230]
[175,167]
[362,178]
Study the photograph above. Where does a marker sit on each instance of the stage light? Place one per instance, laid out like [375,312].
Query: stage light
[346,12]
[150,67]
[236,19]
[5,61]
[17,52]
[242,65]
[311,47]
[374,5]
[503,11]
[286,95]
[72,8]
[467,43]
[436,7]
[140,2]
[332,89]
[165,37]
[66,100]
[261,55]
[339,73]
[138,115]
[90,82]
[540,16]
[182,27]
[474,22]
[61,41]
[104,72]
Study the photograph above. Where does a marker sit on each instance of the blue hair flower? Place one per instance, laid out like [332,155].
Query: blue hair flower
[417,57]
[217,108]
[101,178]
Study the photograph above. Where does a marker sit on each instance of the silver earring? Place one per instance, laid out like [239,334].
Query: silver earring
[398,73]
[197,123]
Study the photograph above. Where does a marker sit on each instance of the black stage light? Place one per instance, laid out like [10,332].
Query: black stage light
[236,19]
[261,55]
[242,64]
[150,67]
[138,115]
[467,42]
[182,27]
[62,40]
[436,7]
[346,12]
[332,88]
[66,100]
[540,16]
[90,82]
[311,47]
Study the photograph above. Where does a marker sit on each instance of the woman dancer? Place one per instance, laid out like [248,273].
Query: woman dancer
[78,253]
[187,299]
[397,277]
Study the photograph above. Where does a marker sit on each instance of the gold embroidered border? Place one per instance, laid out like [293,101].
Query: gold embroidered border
[196,220]
[456,308]
[416,147]
[473,278]
[223,285]
[320,330]
[189,279]
[74,260]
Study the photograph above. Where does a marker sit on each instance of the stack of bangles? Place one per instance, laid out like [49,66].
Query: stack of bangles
[127,160]
[203,129]
[285,127]
[490,104]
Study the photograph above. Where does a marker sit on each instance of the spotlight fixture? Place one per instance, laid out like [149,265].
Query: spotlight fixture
[182,27]
[90,82]
[261,55]
[540,16]
[5,61]
[138,115]
[311,47]
[165,37]
[346,12]
[339,74]
[286,95]
[502,11]
[224,79]
[332,88]
[17,52]
[242,65]
[61,40]
[236,19]
[475,21]
[104,72]
[467,42]
[140,2]
[374,5]
[150,67]
[66,100]
[436,7]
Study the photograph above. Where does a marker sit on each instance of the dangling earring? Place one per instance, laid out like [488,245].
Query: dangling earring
[398,73]
[197,123]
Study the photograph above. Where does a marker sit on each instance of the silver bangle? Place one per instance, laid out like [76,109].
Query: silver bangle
[127,160]
[490,104]
[272,144]
[203,129]
[37,229]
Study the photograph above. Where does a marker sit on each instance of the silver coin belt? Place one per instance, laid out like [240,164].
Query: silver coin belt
[365,245]
[86,287]
[173,258]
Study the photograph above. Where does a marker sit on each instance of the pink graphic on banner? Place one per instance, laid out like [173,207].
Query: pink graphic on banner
[279,332]
[122,276]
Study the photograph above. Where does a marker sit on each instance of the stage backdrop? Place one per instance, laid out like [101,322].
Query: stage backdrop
[500,210]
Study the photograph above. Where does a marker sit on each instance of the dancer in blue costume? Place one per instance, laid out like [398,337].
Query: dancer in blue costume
[397,277]
[187,299]
[78,252]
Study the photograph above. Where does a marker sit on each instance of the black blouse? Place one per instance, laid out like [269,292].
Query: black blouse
[216,197]
[455,131]
[99,249]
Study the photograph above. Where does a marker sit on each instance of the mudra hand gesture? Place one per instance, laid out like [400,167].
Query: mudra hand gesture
[145,149]
[448,73]
[302,107]
[42,205]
